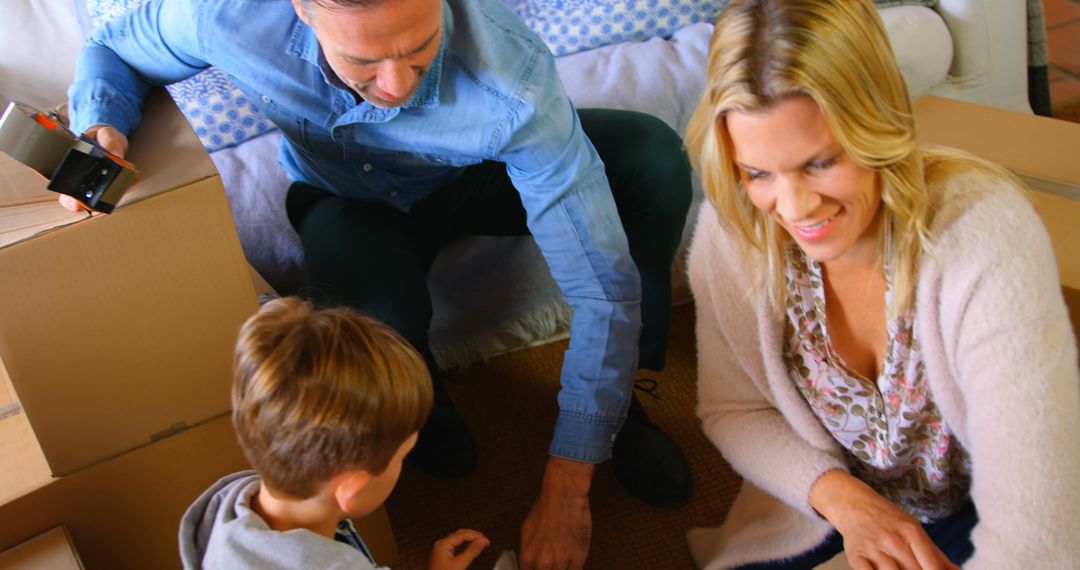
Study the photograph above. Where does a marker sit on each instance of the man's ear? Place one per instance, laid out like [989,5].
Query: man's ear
[348,485]
[299,7]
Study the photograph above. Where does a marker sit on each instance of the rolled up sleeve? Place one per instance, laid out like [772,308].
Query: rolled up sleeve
[572,216]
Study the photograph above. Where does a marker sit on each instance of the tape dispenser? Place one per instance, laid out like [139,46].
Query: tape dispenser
[74,164]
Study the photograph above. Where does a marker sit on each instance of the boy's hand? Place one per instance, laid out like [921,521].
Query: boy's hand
[111,140]
[445,554]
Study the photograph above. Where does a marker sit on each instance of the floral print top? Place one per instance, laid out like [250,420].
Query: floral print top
[895,438]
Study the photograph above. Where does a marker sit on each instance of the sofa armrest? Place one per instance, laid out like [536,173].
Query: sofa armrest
[989,63]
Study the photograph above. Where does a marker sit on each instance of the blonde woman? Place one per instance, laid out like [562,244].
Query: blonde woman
[884,352]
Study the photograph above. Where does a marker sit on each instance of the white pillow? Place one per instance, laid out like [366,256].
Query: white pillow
[37,51]
[922,44]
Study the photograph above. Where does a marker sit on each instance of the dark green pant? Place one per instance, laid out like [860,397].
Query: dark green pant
[375,258]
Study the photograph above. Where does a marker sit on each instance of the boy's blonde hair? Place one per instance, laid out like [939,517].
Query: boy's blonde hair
[317,392]
[838,54]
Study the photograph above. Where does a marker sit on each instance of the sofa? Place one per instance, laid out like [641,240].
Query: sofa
[493,294]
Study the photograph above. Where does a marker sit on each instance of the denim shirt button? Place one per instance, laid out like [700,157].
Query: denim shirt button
[393,193]
[367,167]
[266,99]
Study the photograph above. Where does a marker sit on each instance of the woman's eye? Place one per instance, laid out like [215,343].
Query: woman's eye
[823,164]
[752,175]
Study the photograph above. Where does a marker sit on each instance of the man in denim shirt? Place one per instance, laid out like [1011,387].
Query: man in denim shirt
[410,123]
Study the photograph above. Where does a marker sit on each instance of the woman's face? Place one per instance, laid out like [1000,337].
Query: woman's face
[794,170]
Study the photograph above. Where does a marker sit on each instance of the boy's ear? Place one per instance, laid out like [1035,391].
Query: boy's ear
[348,485]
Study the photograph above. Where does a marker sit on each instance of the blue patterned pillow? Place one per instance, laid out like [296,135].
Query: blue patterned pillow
[569,26]
[220,113]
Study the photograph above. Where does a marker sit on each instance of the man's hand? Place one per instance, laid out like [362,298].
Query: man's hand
[111,140]
[557,532]
[877,533]
[445,554]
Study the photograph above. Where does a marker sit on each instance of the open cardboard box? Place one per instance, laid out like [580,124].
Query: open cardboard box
[116,337]
[1041,151]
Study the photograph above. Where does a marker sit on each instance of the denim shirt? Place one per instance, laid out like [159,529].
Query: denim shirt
[492,93]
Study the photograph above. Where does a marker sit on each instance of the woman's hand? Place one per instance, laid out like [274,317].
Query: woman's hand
[877,533]
[457,550]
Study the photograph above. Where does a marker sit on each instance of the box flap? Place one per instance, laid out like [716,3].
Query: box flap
[23,468]
[165,150]
[992,133]
[51,550]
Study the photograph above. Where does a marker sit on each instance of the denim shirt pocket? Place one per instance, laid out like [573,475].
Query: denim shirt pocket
[317,141]
[407,163]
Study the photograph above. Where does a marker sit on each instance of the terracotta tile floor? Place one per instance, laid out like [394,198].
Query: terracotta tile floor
[1063,35]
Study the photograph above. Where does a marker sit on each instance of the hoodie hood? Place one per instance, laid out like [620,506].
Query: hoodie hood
[221,530]
[217,505]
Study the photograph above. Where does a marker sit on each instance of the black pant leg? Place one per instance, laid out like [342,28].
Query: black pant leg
[368,256]
[649,174]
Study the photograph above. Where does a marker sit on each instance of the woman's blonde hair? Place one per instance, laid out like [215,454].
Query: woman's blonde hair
[317,392]
[837,53]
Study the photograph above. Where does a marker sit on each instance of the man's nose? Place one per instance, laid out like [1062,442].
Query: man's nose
[396,78]
[795,200]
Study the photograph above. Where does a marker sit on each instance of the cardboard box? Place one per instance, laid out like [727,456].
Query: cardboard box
[116,338]
[117,330]
[125,512]
[51,550]
[1041,151]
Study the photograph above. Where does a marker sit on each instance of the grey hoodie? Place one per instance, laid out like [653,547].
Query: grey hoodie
[220,530]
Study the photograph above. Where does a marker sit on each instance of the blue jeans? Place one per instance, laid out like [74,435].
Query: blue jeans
[951,534]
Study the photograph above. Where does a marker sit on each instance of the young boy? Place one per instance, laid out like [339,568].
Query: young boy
[326,404]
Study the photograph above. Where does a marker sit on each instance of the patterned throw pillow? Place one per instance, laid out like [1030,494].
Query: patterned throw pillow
[569,26]
[219,112]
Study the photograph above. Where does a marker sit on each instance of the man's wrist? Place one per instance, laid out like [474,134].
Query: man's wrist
[568,478]
[584,437]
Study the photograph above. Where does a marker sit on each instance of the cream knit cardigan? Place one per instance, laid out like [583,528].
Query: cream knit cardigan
[1001,361]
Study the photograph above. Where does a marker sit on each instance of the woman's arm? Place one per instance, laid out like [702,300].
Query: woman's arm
[737,416]
[1013,397]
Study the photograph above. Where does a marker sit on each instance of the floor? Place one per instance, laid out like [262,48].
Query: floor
[1063,35]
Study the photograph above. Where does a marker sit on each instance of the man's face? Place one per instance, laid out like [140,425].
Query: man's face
[382,51]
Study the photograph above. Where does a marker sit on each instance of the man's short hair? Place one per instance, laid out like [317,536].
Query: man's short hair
[342,3]
[317,392]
